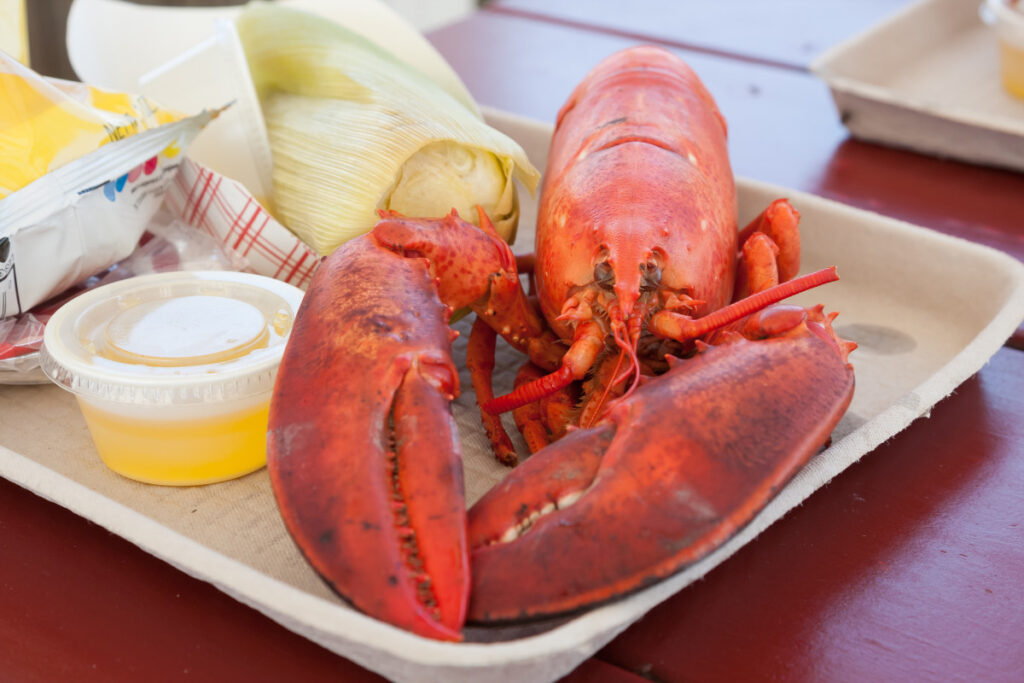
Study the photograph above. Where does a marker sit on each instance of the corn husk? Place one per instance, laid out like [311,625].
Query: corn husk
[354,130]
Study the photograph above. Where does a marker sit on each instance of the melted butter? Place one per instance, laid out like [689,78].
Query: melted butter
[180,452]
[282,322]
[1013,68]
[184,366]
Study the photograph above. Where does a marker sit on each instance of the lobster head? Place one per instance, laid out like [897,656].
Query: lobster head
[669,234]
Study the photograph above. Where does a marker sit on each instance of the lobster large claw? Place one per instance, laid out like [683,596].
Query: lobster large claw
[363,453]
[670,474]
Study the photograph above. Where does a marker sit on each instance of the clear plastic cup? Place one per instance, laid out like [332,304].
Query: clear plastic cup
[174,372]
[1007,19]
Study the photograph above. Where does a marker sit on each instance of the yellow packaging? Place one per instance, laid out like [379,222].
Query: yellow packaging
[82,172]
[14,29]
[46,123]
[1012,68]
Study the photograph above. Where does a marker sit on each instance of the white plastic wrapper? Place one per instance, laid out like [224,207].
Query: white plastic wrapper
[168,244]
[207,222]
[86,215]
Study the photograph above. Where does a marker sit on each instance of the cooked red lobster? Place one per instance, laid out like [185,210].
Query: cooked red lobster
[677,394]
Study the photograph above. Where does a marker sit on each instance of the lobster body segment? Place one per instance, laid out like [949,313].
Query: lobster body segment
[639,188]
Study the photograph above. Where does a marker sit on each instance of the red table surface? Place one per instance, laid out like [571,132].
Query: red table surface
[907,565]
[786,34]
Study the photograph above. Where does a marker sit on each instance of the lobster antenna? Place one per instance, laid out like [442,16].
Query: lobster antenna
[531,391]
[607,390]
[688,329]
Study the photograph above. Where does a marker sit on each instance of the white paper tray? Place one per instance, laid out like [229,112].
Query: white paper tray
[912,353]
[927,79]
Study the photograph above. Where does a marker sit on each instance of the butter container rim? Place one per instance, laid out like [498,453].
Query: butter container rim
[68,360]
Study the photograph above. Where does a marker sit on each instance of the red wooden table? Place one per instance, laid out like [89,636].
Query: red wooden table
[908,565]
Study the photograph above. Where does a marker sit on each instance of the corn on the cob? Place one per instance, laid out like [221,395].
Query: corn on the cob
[353,130]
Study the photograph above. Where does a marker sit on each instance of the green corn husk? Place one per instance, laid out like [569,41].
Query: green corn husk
[353,130]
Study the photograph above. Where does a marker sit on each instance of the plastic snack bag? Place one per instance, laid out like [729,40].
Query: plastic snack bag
[82,171]
[207,222]
[169,244]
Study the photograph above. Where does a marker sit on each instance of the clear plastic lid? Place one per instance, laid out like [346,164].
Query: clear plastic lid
[1006,17]
[172,338]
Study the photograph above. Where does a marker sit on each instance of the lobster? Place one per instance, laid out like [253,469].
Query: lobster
[668,393]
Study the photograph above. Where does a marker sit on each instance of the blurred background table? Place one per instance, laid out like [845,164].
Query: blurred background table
[909,565]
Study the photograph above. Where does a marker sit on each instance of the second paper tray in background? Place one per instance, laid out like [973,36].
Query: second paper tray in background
[927,79]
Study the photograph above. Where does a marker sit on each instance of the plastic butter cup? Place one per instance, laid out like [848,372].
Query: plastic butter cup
[1008,24]
[174,372]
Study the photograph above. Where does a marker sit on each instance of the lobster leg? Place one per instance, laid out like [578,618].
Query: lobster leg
[769,249]
[758,265]
[546,419]
[681,465]
[530,419]
[603,385]
[480,362]
[587,343]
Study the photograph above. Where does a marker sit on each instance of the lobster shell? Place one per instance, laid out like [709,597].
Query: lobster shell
[638,170]
[637,240]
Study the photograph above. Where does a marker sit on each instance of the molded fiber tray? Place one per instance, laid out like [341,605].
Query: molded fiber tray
[927,79]
[912,354]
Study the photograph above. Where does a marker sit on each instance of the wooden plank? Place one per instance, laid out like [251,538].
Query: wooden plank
[595,670]
[785,34]
[82,604]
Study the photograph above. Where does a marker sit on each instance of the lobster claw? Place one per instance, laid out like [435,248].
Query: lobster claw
[363,453]
[670,474]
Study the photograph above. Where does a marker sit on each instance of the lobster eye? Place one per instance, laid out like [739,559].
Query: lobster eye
[651,276]
[604,276]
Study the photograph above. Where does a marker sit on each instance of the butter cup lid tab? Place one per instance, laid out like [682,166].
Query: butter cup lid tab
[172,338]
